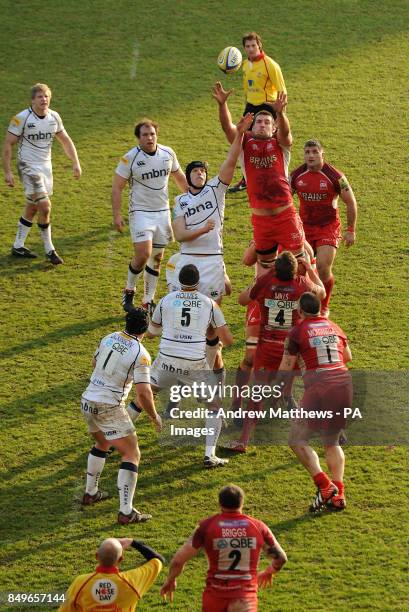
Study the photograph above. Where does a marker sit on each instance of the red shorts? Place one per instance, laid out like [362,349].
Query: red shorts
[268,355]
[327,391]
[285,229]
[215,602]
[323,235]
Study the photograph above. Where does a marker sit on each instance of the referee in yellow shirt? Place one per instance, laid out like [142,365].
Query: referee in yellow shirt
[262,80]
[107,588]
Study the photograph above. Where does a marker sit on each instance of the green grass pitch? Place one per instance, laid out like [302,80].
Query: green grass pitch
[346,68]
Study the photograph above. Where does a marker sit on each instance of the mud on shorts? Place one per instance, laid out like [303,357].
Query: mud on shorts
[113,421]
[36,179]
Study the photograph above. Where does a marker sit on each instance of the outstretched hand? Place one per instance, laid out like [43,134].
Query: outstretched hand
[281,102]
[220,94]
[245,123]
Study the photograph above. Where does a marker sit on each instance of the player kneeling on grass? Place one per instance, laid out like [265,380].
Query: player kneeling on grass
[120,361]
[322,348]
[182,319]
[233,542]
[107,584]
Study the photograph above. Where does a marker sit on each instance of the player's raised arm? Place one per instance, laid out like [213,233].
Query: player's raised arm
[229,165]
[70,151]
[220,95]
[348,197]
[284,135]
[9,142]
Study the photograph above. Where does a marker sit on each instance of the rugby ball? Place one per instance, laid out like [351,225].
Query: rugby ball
[229,60]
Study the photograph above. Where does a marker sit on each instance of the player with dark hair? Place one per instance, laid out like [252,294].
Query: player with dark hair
[262,80]
[266,153]
[182,319]
[322,349]
[120,361]
[318,186]
[34,130]
[232,542]
[108,588]
[146,168]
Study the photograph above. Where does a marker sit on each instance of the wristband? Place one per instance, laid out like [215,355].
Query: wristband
[351,229]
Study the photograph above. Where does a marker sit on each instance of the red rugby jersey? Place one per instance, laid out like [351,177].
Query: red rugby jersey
[278,303]
[318,193]
[266,166]
[319,343]
[232,542]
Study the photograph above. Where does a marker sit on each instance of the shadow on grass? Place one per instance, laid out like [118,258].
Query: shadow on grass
[59,335]
[67,246]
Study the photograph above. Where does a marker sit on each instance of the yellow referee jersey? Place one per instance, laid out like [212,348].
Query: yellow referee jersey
[109,590]
[262,79]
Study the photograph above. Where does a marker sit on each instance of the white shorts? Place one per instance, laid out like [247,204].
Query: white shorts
[36,178]
[113,421]
[171,281]
[153,226]
[211,270]
[167,371]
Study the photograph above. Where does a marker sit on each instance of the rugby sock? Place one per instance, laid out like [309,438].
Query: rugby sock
[322,481]
[150,279]
[212,348]
[329,284]
[45,231]
[95,465]
[132,276]
[241,380]
[340,486]
[127,477]
[23,228]
[212,423]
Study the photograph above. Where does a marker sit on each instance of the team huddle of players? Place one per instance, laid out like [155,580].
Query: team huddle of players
[287,322]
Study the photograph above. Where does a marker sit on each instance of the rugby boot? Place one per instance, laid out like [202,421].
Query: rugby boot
[133,517]
[127,299]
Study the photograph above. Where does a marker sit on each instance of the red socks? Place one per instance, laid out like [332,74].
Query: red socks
[322,480]
[329,284]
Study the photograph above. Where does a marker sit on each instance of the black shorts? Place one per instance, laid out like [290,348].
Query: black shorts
[251,108]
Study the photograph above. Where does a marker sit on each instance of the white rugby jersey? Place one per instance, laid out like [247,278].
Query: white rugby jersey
[148,177]
[208,204]
[185,317]
[35,135]
[121,361]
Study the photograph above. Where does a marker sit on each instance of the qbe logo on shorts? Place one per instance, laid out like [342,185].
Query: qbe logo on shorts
[104,591]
